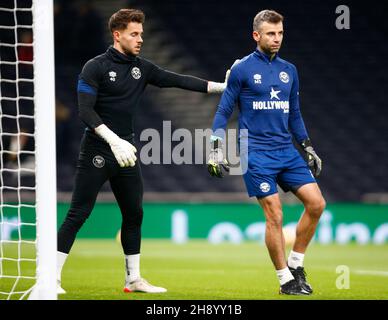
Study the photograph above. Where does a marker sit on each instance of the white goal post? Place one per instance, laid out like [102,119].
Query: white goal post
[42,203]
[46,186]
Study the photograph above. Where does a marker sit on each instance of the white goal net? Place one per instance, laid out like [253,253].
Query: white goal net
[27,151]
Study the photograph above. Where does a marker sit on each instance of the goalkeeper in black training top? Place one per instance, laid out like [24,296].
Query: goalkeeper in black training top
[109,89]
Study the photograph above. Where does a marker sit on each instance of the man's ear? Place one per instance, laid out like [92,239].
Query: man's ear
[256,36]
[116,35]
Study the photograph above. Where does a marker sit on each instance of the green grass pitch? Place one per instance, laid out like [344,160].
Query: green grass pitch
[199,270]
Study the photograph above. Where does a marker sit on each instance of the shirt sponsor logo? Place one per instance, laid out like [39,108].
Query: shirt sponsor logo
[112,75]
[136,73]
[265,187]
[98,161]
[257,78]
[283,76]
[272,104]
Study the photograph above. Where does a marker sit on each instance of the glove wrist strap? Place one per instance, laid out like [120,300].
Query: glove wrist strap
[306,143]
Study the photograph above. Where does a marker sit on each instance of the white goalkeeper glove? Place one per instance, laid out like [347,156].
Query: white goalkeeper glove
[217,162]
[219,87]
[123,151]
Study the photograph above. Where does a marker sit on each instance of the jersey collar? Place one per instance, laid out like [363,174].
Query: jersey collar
[119,57]
[264,57]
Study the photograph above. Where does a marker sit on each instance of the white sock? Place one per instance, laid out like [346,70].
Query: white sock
[61,258]
[132,267]
[295,259]
[284,275]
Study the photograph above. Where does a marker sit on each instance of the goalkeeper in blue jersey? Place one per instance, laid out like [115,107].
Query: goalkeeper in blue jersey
[266,89]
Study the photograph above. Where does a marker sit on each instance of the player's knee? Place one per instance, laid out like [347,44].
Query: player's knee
[77,217]
[139,216]
[273,213]
[316,207]
[275,220]
[134,217]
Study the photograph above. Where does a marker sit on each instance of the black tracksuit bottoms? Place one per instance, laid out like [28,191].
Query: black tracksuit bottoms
[96,165]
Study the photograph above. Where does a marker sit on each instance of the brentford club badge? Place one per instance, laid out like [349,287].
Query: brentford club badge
[265,187]
[136,73]
[283,76]
[98,161]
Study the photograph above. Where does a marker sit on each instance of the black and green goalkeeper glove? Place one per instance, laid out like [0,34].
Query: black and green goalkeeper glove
[313,161]
[217,163]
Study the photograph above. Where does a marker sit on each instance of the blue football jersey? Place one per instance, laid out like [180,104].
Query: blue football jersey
[267,94]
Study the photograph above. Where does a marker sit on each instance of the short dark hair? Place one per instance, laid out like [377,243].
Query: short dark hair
[120,19]
[270,16]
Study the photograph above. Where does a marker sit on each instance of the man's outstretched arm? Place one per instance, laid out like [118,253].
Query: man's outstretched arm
[167,79]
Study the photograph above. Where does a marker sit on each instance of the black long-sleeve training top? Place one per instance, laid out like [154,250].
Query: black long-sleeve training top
[111,84]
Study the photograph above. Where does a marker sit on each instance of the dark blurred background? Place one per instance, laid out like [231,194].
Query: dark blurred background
[343,82]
